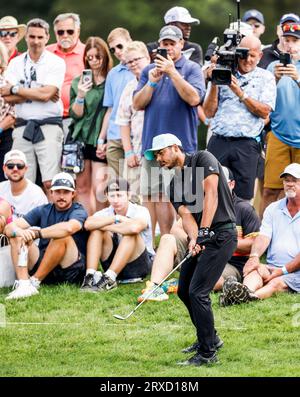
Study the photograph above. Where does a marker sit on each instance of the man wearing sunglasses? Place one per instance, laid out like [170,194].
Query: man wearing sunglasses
[35,80]
[256,20]
[60,254]
[19,191]
[68,47]
[284,138]
[10,35]
[116,81]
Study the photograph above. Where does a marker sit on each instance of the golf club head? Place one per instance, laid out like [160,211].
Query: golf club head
[119,317]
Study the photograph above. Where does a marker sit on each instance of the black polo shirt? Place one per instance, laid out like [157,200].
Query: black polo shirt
[186,188]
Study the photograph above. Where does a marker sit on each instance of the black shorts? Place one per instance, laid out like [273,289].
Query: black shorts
[139,268]
[89,153]
[74,274]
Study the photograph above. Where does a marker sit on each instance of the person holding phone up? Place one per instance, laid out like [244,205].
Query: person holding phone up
[284,140]
[169,90]
[87,112]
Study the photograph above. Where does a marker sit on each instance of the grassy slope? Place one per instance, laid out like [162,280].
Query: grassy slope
[84,339]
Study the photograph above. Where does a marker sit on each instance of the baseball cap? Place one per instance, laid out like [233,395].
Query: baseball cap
[170,32]
[291,29]
[64,181]
[253,14]
[117,185]
[292,169]
[180,14]
[15,155]
[289,18]
[228,174]
[160,142]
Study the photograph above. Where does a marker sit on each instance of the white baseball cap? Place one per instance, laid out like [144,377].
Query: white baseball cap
[292,169]
[15,155]
[63,181]
[180,14]
[160,142]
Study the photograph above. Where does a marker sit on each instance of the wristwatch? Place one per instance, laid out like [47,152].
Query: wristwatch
[244,97]
[14,89]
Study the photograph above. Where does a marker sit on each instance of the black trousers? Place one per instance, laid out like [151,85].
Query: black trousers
[5,146]
[197,279]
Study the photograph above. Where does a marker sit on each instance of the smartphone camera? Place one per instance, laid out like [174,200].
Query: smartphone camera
[163,52]
[284,58]
[87,76]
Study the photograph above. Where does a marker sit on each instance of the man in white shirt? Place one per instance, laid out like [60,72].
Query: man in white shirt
[121,237]
[36,78]
[19,191]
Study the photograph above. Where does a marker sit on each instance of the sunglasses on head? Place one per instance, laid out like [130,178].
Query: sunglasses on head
[5,33]
[91,57]
[291,27]
[11,166]
[61,32]
[113,49]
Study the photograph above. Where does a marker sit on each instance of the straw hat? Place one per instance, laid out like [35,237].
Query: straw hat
[11,23]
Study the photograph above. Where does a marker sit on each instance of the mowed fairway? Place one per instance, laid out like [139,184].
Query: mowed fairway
[63,332]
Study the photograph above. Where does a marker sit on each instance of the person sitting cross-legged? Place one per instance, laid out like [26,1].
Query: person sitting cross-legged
[60,256]
[120,236]
[279,233]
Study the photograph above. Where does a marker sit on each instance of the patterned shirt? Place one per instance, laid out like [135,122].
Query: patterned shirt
[233,119]
[5,108]
[128,116]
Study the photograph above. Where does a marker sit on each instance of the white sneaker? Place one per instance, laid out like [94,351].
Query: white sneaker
[22,291]
[35,282]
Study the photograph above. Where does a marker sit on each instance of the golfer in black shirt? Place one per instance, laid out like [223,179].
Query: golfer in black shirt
[200,194]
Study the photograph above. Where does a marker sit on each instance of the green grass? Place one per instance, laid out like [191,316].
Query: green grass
[62,332]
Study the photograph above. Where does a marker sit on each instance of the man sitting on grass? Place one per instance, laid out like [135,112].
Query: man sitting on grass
[120,236]
[279,233]
[60,256]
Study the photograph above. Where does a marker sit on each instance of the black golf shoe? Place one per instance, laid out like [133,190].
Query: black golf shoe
[194,347]
[199,359]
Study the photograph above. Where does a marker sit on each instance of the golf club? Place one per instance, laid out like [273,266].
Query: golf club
[151,292]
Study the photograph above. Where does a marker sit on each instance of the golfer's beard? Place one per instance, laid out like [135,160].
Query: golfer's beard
[290,194]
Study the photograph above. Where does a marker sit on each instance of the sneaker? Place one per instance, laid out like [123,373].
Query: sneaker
[35,282]
[237,293]
[170,286]
[88,283]
[194,347]
[198,359]
[104,284]
[228,283]
[158,295]
[22,291]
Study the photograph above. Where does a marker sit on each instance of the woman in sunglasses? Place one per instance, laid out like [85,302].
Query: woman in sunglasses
[7,113]
[87,112]
[10,34]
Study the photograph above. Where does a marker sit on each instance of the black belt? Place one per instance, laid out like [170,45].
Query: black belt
[225,226]
[237,138]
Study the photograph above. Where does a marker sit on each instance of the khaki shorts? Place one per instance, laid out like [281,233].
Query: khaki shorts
[115,157]
[182,247]
[231,271]
[46,153]
[154,180]
[278,156]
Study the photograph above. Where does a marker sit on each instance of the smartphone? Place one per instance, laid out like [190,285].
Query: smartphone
[284,58]
[87,76]
[163,52]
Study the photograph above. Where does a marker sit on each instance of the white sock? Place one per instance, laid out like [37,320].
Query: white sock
[24,283]
[111,274]
[90,271]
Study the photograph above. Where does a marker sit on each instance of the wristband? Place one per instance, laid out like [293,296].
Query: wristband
[244,97]
[206,121]
[117,218]
[151,84]
[14,233]
[1,130]
[284,270]
[129,153]
[79,101]
[100,141]
[254,255]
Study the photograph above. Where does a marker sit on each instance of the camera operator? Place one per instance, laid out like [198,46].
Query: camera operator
[238,112]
